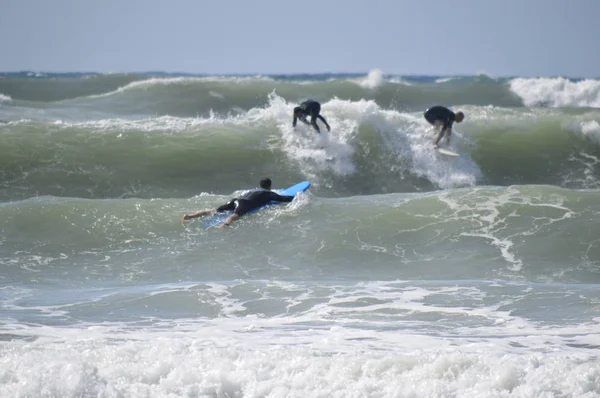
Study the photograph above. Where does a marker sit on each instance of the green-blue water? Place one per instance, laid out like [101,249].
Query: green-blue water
[401,272]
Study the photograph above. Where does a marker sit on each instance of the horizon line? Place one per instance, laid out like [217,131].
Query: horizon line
[256,74]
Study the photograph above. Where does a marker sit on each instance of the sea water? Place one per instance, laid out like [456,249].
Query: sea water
[400,273]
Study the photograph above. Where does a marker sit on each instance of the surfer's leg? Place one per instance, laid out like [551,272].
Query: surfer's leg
[231,205]
[229,220]
[439,128]
[437,125]
[241,207]
[313,121]
[430,118]
[313,110]
[198,214]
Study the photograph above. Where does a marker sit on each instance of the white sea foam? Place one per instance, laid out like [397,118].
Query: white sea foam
[407,136]
[587,128]
[373,80]
[313,151]
[399,80]
[162,123]
[5,98]
[492,215]
[254,357]
[557,92]
[443,171]
[216,94]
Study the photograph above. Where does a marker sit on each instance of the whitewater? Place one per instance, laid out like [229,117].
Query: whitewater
[400,273]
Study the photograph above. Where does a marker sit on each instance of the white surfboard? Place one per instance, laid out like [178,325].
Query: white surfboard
[447,152]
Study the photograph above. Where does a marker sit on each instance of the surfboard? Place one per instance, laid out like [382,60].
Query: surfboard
[447,152]
[219,218]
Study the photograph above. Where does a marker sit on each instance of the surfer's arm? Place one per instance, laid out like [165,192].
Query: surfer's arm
[302,119]
[295,120]
[281,198]
[198,214]
[324,121]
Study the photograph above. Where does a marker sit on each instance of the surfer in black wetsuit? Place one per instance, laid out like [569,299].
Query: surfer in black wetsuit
[442,118]
[309,108]
[247,202]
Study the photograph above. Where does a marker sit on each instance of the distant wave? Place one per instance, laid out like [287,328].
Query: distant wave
[369,150]
[557,92]
[157,93]
[373,80]
[165,81]
[191,96]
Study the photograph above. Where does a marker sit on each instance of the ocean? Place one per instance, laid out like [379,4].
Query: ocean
[400,273]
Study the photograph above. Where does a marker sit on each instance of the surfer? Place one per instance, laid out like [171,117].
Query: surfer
[309,108]
[442,118]
[247,202]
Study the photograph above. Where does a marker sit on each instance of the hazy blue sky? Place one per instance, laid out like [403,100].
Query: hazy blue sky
[433,37]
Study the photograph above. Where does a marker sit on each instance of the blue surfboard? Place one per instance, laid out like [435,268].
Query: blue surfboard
[219,218]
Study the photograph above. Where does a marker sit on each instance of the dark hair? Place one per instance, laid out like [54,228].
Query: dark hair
[265,183]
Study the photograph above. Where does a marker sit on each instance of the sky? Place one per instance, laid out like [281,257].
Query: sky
[528,38]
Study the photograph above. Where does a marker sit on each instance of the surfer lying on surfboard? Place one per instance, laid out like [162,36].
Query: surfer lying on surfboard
[442,118]
[247,202]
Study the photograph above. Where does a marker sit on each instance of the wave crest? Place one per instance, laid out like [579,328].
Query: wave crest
[557,92]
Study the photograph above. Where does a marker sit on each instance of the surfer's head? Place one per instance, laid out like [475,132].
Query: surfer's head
[265,183]
[459,117]
[298,112]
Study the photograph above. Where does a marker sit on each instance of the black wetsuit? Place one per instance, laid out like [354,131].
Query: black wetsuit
[440,113]
[310,108]
[252,200]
